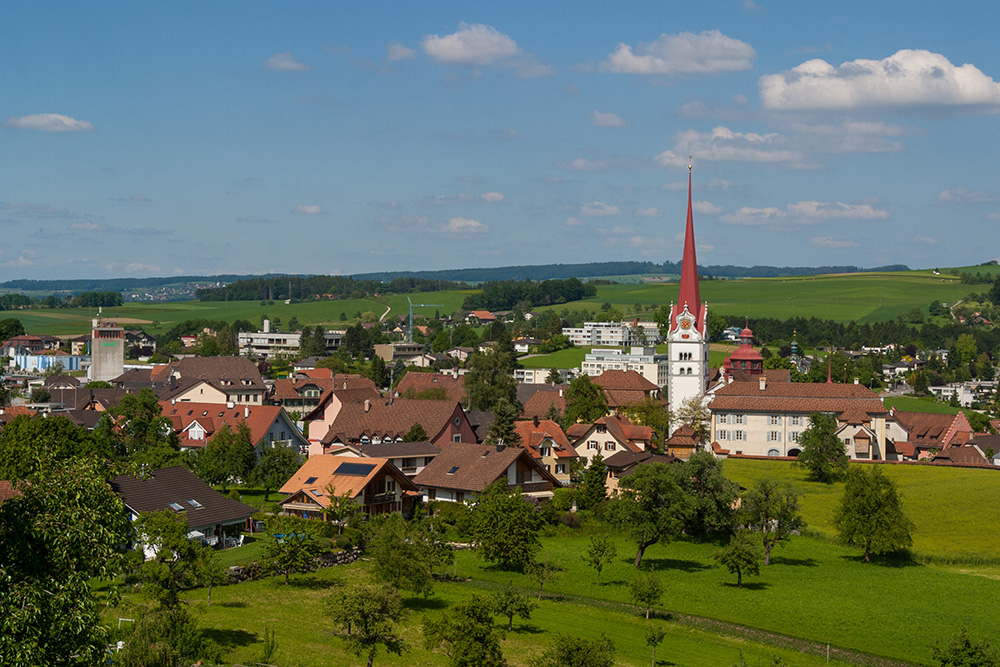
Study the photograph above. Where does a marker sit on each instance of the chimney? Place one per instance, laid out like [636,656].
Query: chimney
[246,412]
[267,326]
[534,420]
[763,382]
[454,373]
[230,405]
[368,405]
[560,392]
[173,401]
[856,380]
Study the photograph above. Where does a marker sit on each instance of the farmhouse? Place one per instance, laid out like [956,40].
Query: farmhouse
[375,485]
[461,470]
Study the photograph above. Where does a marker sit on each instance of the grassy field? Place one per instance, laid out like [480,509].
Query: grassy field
[573,357]
[954,509]
[913,404]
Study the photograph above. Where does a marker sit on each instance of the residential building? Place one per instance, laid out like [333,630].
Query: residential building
[624,463]
[269,344]
[614,334]
[375,485]
[764,418]
[547,443]
[305,390]
[409,457]
[270,426]
[462,470]
[624,388]
[213,380]
[399,351]
[643,360]
[608,436]
[389,420]
[916,436]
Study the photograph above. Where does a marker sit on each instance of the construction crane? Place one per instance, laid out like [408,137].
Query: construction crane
[409,332]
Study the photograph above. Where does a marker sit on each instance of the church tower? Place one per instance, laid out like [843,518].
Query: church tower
[687,337]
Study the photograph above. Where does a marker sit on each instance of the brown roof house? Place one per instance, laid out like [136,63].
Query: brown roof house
[919,435]
[210,516]
[462,470]
[432,386]
[609,435]
[389,420]
[270,425]
[374,484]
[547,443]
[626,388]
[624,464]
[683,443]
[409,457]
[303,392]
[764,418]
[318,421]
[538,399]
[214,380]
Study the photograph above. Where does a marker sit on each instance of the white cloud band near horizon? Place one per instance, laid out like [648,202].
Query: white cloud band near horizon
[48,122]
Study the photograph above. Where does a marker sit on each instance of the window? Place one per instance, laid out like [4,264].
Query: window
[774,436]
[194,503]
[431,494]
[723,434]
[390,485]
[456,437]
[773,452]
[609,446]
[793,436]
[560,468]
[774,420]
[739,435]
[177,507]
[739,419]
[544,451]
[847,442]
[795,421]
[453,470]
[722,419]
[460,496]
[519,476]
[591,444]
[458,421]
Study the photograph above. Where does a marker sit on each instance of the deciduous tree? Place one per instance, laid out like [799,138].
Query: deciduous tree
[505,526]
[466,634]
[509,601]
[290,552]
[871,514]
[822,451]
[489,381]
[369,614]
[771,509]
[646,590]
[585,401]
[578,652]
[741,556]
[713,497]
[601,551]
[174,565]
[963,650]
[402,557]
[275,466]
[228,457]
[650,506]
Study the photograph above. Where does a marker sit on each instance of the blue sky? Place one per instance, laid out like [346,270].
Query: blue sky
[319,137]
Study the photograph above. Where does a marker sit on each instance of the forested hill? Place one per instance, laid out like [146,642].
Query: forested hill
[601,269]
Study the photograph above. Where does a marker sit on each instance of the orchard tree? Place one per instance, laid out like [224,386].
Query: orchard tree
[712,495]
[543,572]
[963,650]
[508,601]
[646,590]
[601,551]
[741,556]
[175,562]
[505,527]
[822,452]
[651,506]
[136,431]
[654,637]
[370,615]
[288,552]
[695,414]
[871,515]
[578,652]
[275,467]
[466,634]
[402,558]
[28,444]
[228,456]
[771,509]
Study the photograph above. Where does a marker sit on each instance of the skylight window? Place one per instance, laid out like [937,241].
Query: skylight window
[177,507]
[453,470]
[311,480]
[194,503]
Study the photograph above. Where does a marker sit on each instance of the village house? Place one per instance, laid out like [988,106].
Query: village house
[915,436]
[409,457]
[547,443]
[213,380]
[624,388]
[270,425]
[389,420]
[375,485]
[462,470]
[607,436]
[623,464]
[305,390]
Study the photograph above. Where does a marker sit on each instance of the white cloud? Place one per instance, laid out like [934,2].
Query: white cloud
[610,119]
[596,209]
[284,62]
[835,211]
[830,242]
[722,144]
[482,46]
[756,217]
[751,6]
[993,216]
[48,122]
[926,240]
[136,267]
[651,212]
[905,79]
[963,195]
[491,197]
[396,51]
[37,211]
[463,226]
[86,226]
[573,222]
[460,198]
[583,164]
[683,53]
[309,209]
[706,208]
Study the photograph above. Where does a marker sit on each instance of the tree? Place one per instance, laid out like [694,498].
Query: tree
[137,431]
[228,456]
[585,401]
[165,638]
[578,652]
[502,430]
[509,602]
[695,414]
[467,634]
[505,526]
[28,444]
[652,413]
[871,515]
[601,551]
[741,556]
[646,590]
[822,451]
[275,467]
[377,372]
[489,381]
[416,433]
[174,565]
[369,614]
[290,552]
[554,377]
[63,528]
[341,508]
[965,651]
[595,490]
[654,637]
[358,343]
[10,327]
[543,572]
[771,509]
[402,557]
[650,506]
[211,571]
[40,395]
[713,496]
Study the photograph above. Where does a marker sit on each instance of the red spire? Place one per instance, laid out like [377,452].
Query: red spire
[689,293]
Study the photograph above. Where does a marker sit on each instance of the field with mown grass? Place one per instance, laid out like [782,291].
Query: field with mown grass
[573,357]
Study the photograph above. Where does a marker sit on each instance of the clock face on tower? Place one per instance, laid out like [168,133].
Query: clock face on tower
[685,324]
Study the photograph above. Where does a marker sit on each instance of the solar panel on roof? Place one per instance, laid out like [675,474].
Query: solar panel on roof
[311,480]
[361,469]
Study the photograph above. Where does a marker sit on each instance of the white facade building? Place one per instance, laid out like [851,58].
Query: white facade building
[269,344]
[644,360]
[614,334]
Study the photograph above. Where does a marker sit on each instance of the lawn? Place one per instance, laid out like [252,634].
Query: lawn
[913,404]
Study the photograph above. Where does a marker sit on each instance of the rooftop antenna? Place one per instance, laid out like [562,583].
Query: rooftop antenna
[409,332]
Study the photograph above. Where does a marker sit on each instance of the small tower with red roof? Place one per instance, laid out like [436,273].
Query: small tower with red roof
[688,334]
[745,358]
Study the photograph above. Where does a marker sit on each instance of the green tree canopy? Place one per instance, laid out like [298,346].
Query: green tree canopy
[964,650]
[578,652]
[174,565]
[741,556]
[871,514]
[594,490]
[505,526]
[646,590]
[713,497]
[489,381]
[369,614]
[275,467]
[651,506]
[466,634]
[822,452]
[509,601]
[228,456]
[585,401]
[28,444]
[403,558]
[771,509]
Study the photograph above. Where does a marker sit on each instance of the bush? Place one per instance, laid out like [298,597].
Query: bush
[343,542]
[234,494]
[562,499]
[456,516]
[570,520]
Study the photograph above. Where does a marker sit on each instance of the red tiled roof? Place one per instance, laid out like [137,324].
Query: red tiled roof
[389,421]
[538,403]
[467,467]
[413,384]
[323,472]
[629,380]
[533,435]
[926,430]
[212,417]
[855,403]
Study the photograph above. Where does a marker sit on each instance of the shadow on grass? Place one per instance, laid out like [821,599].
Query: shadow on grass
[888,560]
[524,628]
[656,564]
[748,586]
[424,604]
[312,584]
[230,639]
[794,562]
[236,605]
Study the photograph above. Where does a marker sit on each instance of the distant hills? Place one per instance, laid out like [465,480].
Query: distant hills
[468,275]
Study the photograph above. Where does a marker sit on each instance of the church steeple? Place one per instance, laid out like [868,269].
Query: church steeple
[689,294]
